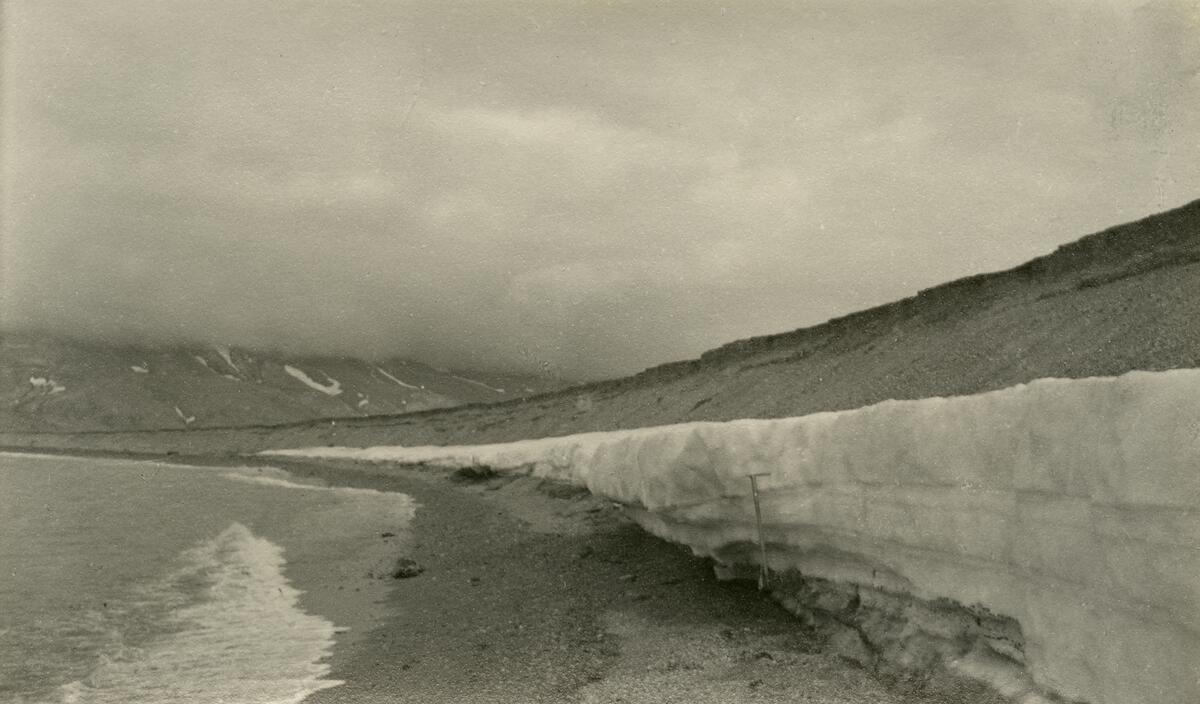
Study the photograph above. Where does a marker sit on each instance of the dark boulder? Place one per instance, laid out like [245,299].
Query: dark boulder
[406,568]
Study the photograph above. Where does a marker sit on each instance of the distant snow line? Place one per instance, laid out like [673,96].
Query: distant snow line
[333,388]
[1071,506]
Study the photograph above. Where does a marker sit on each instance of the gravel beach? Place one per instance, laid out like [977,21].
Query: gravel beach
[536,592]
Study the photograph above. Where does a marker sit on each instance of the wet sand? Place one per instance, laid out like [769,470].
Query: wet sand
[537,592]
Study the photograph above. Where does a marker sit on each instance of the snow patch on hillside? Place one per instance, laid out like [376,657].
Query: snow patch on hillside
[140,369]
[1071,506]
[188,420]
[401,383]
[332,388]
[43,382]
[478,383]
[228,357]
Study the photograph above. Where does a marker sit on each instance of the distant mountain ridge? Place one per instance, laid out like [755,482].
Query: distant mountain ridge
[50,383]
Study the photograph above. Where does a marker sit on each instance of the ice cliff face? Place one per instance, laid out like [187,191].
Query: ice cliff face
[1072,507]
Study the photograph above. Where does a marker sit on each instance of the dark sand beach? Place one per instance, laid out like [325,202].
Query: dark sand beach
[537,592]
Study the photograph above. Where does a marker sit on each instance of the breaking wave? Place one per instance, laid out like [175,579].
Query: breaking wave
[228,629]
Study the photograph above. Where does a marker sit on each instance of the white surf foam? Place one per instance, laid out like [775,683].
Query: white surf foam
[394,508]
[245,639]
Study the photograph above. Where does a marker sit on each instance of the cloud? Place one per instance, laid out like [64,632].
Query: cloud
[586,189]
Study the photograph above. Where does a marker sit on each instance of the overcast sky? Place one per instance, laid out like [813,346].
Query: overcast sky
[585,188]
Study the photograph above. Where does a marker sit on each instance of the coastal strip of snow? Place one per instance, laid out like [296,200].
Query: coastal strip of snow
[1071,506]
[332,388]
[401,383]
[478,383]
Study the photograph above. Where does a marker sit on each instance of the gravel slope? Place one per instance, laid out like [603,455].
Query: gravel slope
[533,592]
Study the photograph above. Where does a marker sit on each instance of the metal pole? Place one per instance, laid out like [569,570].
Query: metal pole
[764,572]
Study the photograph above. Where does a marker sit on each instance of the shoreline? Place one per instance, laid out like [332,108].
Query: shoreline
[534,591]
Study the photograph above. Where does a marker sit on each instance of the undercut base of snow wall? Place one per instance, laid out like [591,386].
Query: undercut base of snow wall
[1063,515]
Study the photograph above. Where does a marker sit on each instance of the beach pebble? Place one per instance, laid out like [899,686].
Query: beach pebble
[406,568]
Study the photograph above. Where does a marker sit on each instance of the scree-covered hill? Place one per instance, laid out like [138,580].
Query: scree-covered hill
[50,383]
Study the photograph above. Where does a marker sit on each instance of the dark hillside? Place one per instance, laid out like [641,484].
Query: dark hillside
[1123,299]
[51,383]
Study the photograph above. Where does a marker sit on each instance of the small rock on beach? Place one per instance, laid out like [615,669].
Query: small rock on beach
[406,568]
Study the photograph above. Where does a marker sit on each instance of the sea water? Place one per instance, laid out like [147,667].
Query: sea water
[125,581]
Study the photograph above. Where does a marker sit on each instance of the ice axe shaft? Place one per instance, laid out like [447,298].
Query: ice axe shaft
[764,572]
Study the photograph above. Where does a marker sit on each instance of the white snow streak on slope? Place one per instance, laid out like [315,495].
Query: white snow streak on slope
[1071,506]
[407,386]
[204,363]
[478,383]
[228,357]
[46,382]
[333,388]
[143,369]
[184,418]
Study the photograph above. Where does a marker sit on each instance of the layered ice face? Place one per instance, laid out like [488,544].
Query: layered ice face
[1071,506]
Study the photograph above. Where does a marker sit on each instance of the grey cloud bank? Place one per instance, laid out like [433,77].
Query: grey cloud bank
[582,188]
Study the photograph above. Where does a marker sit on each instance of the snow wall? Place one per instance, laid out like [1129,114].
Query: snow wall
[1071,506]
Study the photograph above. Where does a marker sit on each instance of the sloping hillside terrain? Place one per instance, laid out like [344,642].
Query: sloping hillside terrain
[1123,299]
[54,384]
